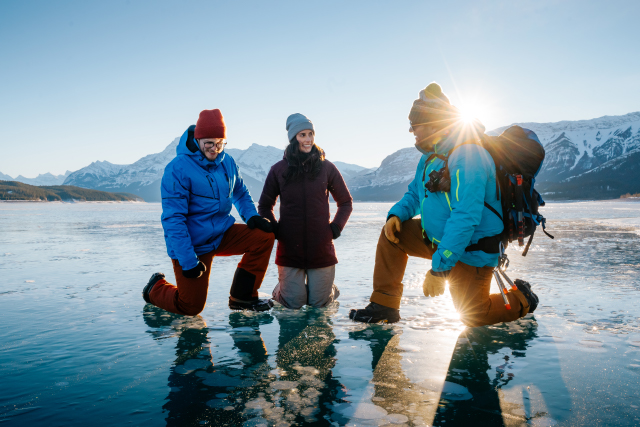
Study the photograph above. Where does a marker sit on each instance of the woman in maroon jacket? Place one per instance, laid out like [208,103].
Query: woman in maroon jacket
[306,257]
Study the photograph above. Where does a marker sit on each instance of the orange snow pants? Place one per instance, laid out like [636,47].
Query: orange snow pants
[469,286]
[190,295]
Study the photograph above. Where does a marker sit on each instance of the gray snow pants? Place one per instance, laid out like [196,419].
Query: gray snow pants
[297,287]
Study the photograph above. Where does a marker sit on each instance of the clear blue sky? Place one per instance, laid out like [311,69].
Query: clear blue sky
[116,80]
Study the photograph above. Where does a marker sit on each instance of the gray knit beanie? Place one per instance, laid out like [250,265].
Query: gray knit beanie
[433,106]
[296,123]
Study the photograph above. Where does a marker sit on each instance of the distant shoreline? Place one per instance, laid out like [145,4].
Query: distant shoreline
[72,201]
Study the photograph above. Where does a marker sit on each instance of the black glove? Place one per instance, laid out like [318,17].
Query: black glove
[195,272]
[276,227]
[260,223]
[335,230]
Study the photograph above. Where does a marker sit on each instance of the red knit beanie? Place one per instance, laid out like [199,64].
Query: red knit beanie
[210,125]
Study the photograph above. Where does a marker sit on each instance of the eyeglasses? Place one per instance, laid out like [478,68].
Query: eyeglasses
[218,144]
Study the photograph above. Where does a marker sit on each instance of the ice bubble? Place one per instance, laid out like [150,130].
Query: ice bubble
[217,379]
[255,422]
[591,343]
[29,281]
[284,385]
[397,418]
[365,411]
[593,346]
[634,343]
[243,329]
[306,369]
[62,384]
[217,403]
[543,422]
[191,365]
[217,328]
[355,372]
[447,389]
[311,393]
[409,347]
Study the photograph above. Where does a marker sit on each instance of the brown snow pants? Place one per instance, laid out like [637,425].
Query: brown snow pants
[190,295]
[469,285]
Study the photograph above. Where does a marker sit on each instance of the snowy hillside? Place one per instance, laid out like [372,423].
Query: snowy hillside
[143,177]
[42,179]
[574,147]
[256,160]
[390,180]
[591,159]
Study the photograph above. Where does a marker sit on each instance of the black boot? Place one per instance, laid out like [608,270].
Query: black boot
[256,305]
[375,313]
[147,289]
[532,298]
[242,290]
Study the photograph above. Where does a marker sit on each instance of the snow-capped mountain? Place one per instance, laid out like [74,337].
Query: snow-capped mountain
[143,177]
[349,171]
[256,160]
[42,179]
[598,158]
[389,181]
[577,151]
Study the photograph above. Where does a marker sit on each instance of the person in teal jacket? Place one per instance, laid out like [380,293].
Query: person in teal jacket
[453,216]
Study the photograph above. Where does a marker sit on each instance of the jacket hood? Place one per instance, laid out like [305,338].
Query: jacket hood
[189,147]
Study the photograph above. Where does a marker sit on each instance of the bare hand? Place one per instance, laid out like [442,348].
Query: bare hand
[393,224]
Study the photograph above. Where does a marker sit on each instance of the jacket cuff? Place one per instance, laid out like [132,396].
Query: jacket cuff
[440,262]
[444,274]
[190,263]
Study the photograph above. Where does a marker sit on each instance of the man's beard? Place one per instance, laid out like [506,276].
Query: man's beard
[206,155]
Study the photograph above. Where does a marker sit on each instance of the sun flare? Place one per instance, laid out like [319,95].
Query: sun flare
[469,113]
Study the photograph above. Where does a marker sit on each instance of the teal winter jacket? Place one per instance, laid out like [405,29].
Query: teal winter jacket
[458,218]
[197,197]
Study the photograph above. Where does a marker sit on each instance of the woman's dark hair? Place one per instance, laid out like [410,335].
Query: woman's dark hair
[302,163]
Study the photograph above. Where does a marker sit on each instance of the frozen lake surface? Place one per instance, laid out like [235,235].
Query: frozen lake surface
[78,346]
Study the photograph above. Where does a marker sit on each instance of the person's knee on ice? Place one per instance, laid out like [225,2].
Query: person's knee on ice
[196,188]
[193,309]
[303,179]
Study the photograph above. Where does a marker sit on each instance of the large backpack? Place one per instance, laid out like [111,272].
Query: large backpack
[518,155]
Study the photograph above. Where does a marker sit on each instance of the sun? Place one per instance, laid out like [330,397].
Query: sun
[469,113]
[473,111]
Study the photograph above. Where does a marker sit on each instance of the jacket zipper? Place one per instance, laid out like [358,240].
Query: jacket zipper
[304,219]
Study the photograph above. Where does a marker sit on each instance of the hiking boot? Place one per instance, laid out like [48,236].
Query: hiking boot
[147,289]
[532,298]
[257,305]
[375,313]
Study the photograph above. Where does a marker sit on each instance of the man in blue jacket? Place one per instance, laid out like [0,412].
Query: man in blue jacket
[199,187]
[452,218]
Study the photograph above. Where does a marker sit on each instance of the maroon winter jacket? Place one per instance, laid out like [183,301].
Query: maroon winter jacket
[304,236]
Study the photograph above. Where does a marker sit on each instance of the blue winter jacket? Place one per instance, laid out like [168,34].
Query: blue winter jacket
[197,196]
[458,218]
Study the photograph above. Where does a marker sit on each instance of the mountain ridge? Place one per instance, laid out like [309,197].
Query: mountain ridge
[579,155]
